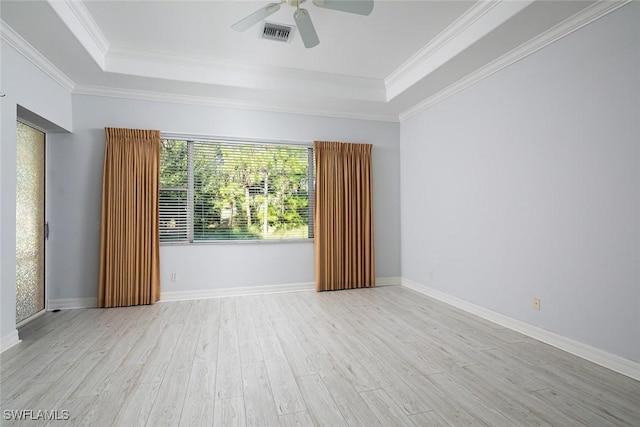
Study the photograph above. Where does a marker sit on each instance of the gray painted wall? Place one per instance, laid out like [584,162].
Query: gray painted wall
[528,185]
[76,162]
[29,87]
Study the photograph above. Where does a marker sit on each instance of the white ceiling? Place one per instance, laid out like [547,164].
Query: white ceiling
[402,58]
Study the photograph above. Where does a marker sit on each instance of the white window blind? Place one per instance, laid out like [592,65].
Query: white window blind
[221,191]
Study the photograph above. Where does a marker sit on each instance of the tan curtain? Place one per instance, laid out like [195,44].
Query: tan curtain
[129,246]
[343,216]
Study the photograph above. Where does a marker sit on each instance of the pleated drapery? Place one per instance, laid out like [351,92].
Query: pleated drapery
[129,237]
[343,216]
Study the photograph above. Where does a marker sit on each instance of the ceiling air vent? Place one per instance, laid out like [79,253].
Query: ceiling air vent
[277,32]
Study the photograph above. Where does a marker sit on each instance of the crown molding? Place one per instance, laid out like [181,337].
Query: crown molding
[25,49]
[453,30]
[566,27]
[14,40]
[141,95]
[78,19]
[475,23]
[285,72]
[226,73]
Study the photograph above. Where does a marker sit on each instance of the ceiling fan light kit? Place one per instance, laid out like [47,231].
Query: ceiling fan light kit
[302,17]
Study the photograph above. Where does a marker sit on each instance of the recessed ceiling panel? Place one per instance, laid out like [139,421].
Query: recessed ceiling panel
[364,46]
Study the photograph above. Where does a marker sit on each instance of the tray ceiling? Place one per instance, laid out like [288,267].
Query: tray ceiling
[402,58]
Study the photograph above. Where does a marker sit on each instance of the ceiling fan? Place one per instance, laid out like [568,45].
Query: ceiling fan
[302,17]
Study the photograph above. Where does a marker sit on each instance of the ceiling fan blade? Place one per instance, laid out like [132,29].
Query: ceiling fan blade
[360,7]
[256,17]
[305,28]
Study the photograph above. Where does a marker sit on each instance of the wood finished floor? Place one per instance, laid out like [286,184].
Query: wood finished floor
[375,357]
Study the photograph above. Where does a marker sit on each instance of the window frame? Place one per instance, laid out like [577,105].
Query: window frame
[191,139]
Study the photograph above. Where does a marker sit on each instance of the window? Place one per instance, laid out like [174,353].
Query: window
[221,191]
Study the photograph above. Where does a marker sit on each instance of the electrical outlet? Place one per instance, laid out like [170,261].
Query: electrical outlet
[174,277]
[536,304]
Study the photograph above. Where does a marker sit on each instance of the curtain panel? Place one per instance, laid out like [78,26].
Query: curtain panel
[129,236]
[343,216]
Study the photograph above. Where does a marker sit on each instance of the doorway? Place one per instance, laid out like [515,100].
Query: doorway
[30,221]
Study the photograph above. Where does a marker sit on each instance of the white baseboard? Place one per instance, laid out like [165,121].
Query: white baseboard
[611,361]
[67,304]
[70,303]
[9,341]
[233,292]
[30,319]
[255,290]
[388,281]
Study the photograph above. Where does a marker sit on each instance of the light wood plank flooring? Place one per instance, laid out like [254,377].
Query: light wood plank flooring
[373,357]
